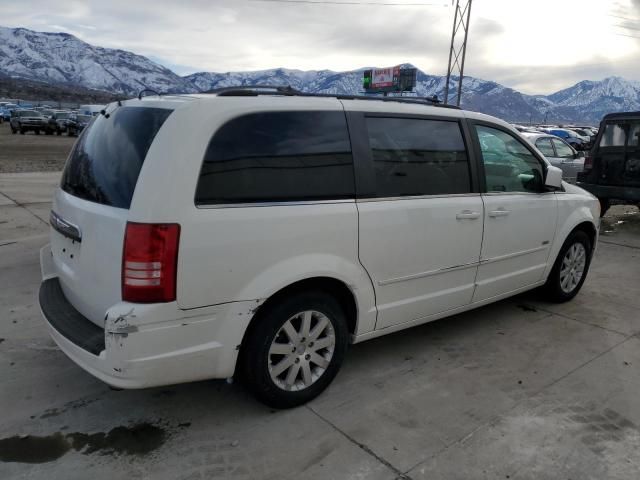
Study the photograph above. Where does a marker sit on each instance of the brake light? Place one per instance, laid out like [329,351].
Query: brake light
[149,262]
[588,162]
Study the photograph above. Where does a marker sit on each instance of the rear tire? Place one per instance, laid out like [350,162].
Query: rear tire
[13,130]
[570,269]
[294,349]
[604,206]
[22,131]
[37,132]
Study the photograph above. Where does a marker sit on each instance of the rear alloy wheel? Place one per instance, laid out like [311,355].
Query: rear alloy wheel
[571,267]
[294,349]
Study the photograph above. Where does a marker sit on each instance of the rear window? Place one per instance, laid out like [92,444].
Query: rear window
[105,163]
[617,134]
[278,156]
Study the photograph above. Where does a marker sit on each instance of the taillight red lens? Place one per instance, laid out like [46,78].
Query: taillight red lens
[149,262]
[588,162]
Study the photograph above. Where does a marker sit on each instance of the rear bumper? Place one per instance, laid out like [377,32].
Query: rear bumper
[146,345]
[630,194]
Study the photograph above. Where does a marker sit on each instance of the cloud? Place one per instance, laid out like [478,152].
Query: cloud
[519,44]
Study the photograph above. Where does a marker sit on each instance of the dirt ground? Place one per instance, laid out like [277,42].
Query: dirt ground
[31,152]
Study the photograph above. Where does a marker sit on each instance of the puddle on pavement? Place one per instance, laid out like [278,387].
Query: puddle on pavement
[623,219]
[139,439]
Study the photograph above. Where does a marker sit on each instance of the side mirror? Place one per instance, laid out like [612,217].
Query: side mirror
[580,154]
[553,178]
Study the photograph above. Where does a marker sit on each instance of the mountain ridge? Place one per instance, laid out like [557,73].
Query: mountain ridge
[62,59]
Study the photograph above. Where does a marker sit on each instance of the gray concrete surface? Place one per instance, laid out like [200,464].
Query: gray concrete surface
[521,389]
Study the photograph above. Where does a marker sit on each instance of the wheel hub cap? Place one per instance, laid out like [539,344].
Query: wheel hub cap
[301,350]
[572,269]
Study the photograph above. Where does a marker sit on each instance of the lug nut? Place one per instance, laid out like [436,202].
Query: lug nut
[311,344]
[297,360]
[307,356]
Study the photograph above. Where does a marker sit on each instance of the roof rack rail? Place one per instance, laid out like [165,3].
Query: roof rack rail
[256,90]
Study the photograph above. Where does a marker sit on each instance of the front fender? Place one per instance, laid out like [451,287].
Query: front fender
[570,216]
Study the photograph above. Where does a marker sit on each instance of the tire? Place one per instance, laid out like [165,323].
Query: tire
[58,133]
[259,353]
[22,131]
[37,132]
[13,130]
[604,206]
[558,289]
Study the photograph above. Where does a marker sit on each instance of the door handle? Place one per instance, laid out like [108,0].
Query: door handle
[501,212]
[467,214]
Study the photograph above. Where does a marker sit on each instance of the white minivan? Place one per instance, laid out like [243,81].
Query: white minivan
[257,233]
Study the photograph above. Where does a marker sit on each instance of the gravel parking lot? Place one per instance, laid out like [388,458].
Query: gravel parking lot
[520,389]
[31,152]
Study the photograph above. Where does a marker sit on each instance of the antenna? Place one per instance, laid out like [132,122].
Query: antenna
[457,52]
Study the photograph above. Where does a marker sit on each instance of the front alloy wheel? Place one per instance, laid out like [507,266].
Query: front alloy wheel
[570,269]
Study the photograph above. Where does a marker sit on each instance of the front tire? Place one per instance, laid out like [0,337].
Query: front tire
[570,269]
[294,349]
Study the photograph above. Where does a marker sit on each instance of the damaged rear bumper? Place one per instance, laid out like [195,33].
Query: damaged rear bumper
[146,345]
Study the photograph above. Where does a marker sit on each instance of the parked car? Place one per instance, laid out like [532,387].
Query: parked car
[58,122]
[25,120]
[6,110]
[256,235]
[569,136]
[612,168]
[559,153]
[77,123]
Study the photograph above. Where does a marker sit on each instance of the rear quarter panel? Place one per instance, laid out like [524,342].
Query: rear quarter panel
[232,254]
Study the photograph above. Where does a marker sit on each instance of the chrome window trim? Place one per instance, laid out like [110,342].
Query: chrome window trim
[427,274]
[416,197]
[285,203]
[518,193]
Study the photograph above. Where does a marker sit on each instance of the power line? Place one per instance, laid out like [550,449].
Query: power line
[331,2]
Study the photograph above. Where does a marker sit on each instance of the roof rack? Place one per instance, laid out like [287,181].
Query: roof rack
[287,90]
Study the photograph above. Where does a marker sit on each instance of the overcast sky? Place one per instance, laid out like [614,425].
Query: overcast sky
[536,46]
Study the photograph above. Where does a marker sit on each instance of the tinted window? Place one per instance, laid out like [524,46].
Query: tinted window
[562,149]
[278,156]
[544,145]
[418,157]
[615,135]
[634,135]
[509,166]
[105,163]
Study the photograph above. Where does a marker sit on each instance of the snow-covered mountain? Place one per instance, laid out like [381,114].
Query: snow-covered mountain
[63,58]
[60,58]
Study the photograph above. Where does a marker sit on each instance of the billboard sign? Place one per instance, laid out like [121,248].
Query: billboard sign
[384,77]
[392,79]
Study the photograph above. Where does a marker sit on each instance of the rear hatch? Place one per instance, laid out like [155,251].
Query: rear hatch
[617,155]
[91,207]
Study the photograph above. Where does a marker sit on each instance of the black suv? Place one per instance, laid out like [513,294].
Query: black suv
[24,120]
[612,170]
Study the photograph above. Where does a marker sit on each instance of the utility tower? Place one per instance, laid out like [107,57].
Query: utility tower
[458,48]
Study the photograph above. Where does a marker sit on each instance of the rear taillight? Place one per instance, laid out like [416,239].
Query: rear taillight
[149,262]
[588,162]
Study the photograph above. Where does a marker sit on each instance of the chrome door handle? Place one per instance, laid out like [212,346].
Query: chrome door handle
[467,214]
[501,212]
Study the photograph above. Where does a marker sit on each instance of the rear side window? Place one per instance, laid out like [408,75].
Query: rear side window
[105,163]
[278,156]
[414,156]
[614,135]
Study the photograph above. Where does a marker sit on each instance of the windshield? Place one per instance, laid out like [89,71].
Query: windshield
[29,113]
[105,163]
